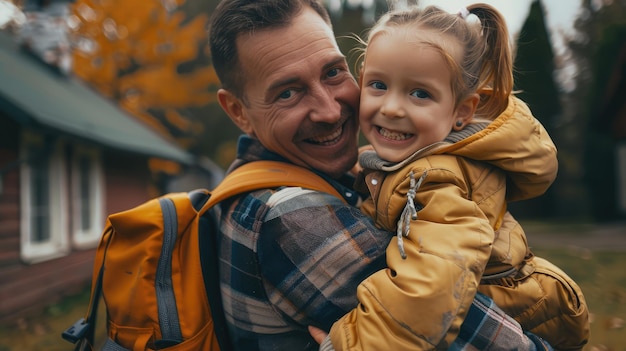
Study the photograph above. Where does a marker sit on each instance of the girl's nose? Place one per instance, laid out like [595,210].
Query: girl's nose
[392,107]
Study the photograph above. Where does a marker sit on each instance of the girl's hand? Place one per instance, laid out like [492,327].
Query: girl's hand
[317,334]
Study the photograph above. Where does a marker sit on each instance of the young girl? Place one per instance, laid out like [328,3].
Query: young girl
[452,147]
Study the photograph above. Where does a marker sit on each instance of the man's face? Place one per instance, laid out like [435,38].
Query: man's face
[300,99]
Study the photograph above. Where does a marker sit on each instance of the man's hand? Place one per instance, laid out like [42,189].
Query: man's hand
[317,334]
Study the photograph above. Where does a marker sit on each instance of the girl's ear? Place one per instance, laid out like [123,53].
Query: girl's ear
[465,111]
[234,108]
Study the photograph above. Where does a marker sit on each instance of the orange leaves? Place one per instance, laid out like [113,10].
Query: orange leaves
[150,56]
[162,87]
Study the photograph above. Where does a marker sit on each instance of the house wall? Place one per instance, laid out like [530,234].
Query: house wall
[23,288]
[26,289]
[128,181]
[9,196]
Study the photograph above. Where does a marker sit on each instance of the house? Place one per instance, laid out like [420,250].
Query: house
[68,157]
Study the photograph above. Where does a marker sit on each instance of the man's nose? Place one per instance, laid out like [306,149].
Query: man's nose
[325,106]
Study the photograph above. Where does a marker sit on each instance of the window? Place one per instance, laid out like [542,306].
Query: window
[43,199]
[87,198]
[47,231]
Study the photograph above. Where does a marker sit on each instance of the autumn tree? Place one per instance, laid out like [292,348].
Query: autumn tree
[152,58]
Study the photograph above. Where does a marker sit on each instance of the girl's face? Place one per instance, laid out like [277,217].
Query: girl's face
[406,96]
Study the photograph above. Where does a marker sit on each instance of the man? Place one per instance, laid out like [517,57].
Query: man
[292,257]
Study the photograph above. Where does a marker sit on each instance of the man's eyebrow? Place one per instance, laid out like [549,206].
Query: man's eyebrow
[283,82]
[291,80]
[340,59]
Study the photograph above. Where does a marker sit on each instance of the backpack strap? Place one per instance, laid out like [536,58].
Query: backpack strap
[82,332]
[250,176]
[268,174]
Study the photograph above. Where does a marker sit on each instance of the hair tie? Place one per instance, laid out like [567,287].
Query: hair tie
[464,12]
[469,17]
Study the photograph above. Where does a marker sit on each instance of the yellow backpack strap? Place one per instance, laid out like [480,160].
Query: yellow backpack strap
[268,174]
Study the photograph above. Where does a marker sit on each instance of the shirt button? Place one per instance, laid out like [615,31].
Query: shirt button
[348,194]
[374,181]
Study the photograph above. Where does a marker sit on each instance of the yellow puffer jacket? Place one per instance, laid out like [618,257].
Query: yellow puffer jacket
[419,303]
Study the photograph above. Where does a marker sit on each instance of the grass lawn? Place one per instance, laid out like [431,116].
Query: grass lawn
[601,275]
[44,332]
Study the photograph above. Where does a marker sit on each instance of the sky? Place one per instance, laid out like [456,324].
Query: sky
[560,14]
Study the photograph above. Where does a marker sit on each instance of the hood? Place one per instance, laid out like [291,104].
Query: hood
[515,142]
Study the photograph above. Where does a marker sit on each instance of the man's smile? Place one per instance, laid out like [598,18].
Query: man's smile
[327,139]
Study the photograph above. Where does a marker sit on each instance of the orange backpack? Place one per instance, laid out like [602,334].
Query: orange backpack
[156,266]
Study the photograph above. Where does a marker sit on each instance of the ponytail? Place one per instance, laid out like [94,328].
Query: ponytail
[496,74]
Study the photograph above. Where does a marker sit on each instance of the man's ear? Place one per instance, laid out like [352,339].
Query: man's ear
[361,74]
[233,107]
[465,111]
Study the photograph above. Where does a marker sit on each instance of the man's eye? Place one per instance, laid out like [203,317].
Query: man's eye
[420,94]
[333,72]
[285,94]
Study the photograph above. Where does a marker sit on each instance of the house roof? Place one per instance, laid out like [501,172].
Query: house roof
[37,96]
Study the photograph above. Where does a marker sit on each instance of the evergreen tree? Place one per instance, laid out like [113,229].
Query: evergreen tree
[599,48]
[534,78]
[534,68]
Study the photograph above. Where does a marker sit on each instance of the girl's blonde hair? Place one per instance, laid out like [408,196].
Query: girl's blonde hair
[487,63]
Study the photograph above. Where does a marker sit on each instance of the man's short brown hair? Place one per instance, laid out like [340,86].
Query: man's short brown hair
[233,18]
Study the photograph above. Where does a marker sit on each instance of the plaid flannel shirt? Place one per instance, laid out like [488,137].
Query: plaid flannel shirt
[292,257]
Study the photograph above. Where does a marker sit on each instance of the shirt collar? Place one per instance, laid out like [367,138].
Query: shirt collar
[250,149]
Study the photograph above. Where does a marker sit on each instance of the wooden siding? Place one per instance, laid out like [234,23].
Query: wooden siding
[9,221]
[9,196]
[127,181]
[26,289]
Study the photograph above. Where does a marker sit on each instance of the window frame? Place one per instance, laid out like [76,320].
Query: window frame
[57,245]
[87,238]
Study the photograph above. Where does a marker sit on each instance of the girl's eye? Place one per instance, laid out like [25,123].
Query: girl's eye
[420,94]
[378,85]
